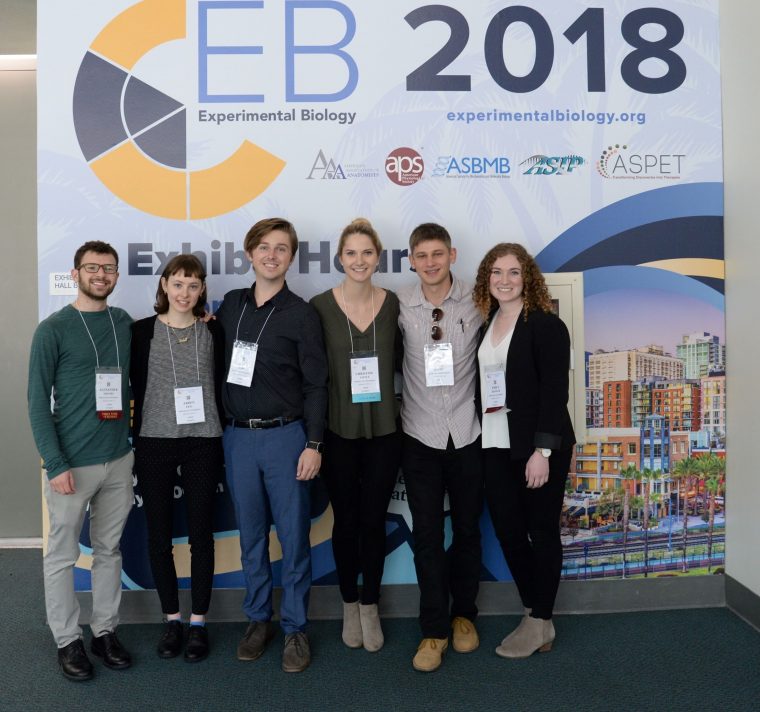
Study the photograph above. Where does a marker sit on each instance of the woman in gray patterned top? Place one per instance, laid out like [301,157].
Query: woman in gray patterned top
[176,373]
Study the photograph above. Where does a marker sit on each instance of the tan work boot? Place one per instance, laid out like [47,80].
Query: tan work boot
[372,633]
[464,638]
[531,635]
[352,629]
[430,654]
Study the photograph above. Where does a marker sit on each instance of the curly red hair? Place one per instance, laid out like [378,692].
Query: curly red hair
[535,293]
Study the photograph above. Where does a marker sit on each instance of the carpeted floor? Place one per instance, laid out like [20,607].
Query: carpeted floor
[675,660]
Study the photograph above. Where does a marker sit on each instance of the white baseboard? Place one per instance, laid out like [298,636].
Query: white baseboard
[28,543]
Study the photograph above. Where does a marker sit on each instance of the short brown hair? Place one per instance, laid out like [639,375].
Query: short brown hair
[429,231]
[263,227]
[190,266]
[360,226]
[98,247]
[535,292]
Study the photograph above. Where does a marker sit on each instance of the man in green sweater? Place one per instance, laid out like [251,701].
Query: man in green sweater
[80,355]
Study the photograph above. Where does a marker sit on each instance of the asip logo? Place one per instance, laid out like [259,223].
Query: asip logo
[134,136]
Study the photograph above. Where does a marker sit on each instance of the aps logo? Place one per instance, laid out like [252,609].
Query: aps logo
[404,166]
[134,136]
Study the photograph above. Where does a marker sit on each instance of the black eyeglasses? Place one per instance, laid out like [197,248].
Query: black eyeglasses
[436,333]
[94,268]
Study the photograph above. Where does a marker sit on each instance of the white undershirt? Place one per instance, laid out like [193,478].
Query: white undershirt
[495,427]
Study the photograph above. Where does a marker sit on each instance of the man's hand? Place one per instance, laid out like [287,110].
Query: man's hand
[537,471]
[308,464]
[63,483]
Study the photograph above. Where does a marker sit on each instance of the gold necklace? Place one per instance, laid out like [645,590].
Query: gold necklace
[181,340]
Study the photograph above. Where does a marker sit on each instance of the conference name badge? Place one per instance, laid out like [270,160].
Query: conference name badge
[188,405]
[242,363]
[496,389]
[365,377]
[439,365]
[108,393]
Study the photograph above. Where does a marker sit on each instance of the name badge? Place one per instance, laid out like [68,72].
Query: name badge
[242,363]
[439,365]
[108,393]
[188,405]
[496,389]
[365,377]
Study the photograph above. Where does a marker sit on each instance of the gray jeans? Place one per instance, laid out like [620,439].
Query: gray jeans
[107,489]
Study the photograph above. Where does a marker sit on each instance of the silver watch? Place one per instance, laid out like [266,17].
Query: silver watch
[545,451]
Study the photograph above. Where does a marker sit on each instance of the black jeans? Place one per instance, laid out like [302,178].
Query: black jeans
[526,522]
[201,462]
[360,475]
[430,473]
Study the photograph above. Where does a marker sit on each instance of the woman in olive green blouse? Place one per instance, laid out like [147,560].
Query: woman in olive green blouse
[362,444]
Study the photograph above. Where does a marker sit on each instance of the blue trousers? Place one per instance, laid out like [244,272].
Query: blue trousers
[261,474]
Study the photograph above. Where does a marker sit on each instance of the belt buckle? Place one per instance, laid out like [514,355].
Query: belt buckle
[254,423]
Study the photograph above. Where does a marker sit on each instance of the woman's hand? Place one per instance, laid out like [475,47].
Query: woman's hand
[537,471]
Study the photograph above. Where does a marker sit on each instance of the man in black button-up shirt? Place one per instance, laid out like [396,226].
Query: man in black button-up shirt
[275,400]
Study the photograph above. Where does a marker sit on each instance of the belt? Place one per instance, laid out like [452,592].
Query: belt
[259,423]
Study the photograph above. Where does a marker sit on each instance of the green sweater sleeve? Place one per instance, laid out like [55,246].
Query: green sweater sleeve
[43,361]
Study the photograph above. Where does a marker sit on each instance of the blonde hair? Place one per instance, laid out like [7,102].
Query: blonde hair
[360,226]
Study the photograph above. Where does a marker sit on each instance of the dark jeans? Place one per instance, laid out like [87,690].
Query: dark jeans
[430,473]
[360,475]
[201,462]
[526,522]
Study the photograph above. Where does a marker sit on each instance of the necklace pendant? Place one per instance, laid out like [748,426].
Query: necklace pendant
[183,340]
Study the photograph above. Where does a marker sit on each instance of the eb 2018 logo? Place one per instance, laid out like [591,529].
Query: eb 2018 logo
[134,136]
[540,165]
[404,166]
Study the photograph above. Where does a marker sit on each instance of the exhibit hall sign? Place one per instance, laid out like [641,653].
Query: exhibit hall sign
[589,132]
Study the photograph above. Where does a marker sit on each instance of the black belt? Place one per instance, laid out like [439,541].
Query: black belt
[257,423]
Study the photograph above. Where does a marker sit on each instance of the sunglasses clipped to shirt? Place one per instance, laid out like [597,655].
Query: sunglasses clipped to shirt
[436,332]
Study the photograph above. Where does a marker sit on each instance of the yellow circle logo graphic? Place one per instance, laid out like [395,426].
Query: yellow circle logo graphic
[134,136]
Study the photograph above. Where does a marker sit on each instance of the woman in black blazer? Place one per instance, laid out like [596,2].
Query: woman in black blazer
[176,371]
[523,364]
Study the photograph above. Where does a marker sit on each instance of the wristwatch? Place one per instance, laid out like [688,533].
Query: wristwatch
[545,451]
[315,445]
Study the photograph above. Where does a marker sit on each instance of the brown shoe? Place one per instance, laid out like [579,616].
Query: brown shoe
[296,655]
[464,638]
[430,654]
[254,642]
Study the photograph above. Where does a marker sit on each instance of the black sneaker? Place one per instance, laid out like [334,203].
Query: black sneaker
[170,642]
[296,655]
[196,648]
[75,665]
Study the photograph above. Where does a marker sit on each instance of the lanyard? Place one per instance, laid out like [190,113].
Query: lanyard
[92,341]
[258,338]
[171,353]
[348,321]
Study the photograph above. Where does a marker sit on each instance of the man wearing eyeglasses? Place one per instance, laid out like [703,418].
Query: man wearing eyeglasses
[440,325]
[80,354]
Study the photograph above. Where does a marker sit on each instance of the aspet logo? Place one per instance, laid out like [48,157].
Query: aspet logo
[617,162]
[541,165]
[137,146]
[404,166]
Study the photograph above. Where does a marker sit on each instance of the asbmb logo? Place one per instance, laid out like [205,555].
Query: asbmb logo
[134,136]
[540,165]
[404,166]
[325,168]
[617,162]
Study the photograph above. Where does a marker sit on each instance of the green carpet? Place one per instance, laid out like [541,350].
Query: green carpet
[704,659]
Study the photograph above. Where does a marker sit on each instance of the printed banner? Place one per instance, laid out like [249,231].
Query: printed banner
[589,133]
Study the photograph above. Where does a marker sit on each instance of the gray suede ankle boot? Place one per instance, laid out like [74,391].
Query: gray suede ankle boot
[372,633]
[531,635]
[352,628]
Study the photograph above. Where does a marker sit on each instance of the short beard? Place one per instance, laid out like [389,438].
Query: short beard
[97,297]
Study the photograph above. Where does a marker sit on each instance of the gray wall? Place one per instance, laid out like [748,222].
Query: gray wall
[20,513]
